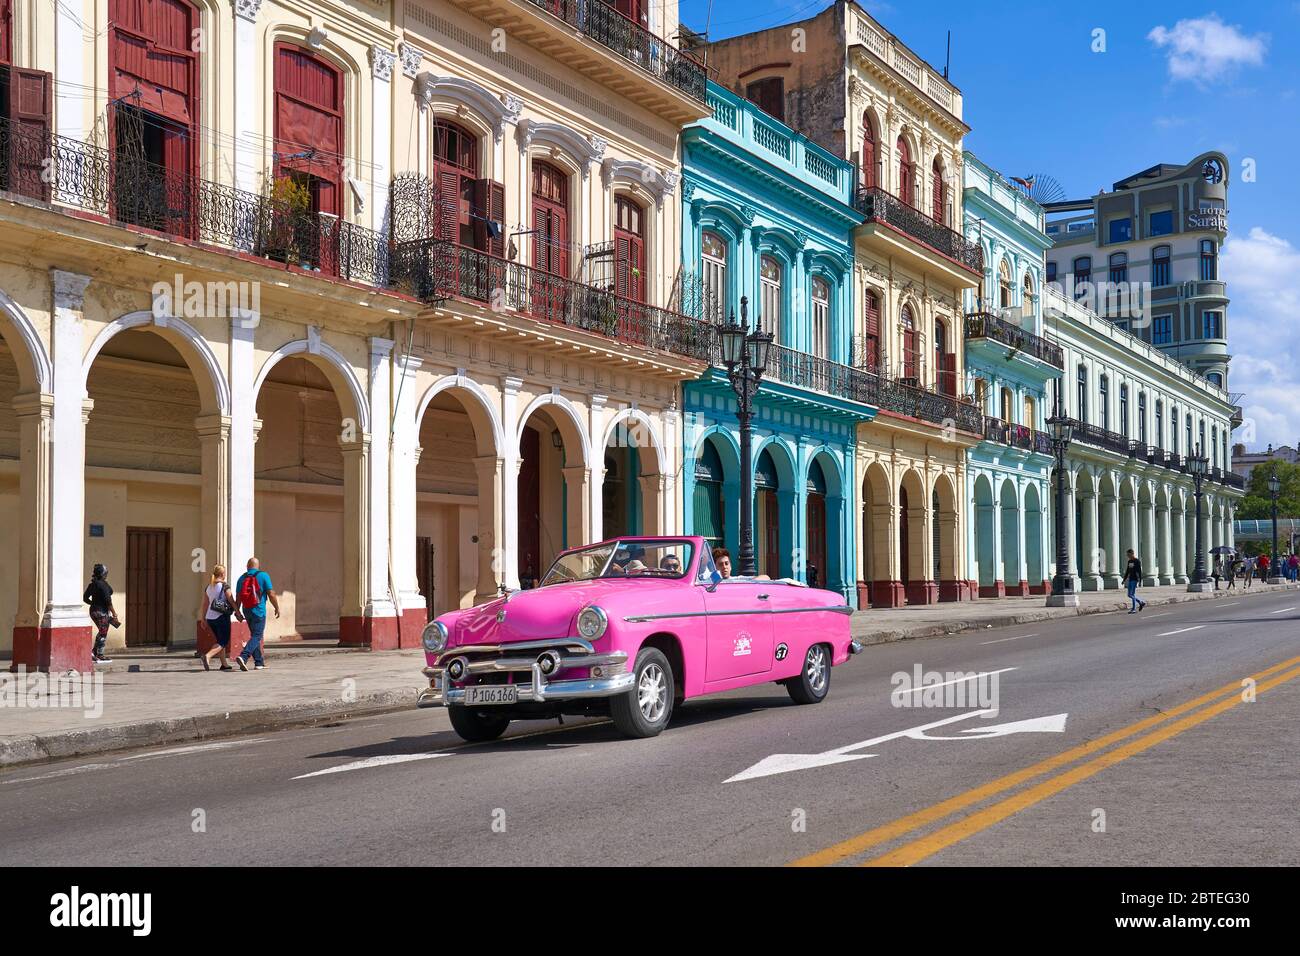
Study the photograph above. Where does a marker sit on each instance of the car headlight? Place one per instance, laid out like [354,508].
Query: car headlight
[592,623]
[434,636]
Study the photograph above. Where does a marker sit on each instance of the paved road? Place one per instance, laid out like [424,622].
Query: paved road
[1148,766]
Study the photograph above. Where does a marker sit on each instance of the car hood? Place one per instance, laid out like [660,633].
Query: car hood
[536,614]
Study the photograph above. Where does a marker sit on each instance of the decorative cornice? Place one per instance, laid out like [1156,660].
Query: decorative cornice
[69,289]
[495,110]
[411,59]
[659,184]
[585,150]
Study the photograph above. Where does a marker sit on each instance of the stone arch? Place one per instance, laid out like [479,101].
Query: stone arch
[632,470]
[947,539]
[35,373]
[341,375]
[716,501]
[647,427]
[469,103]
[1035,567]
[987,542]
[1009,531]
[478,405]
[214,389]
[913,531]
[566,418]
[878,545]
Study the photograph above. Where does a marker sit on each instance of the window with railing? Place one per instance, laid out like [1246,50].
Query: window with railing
[821,318]
[1212,325]
[713,268]
[1119,267]
[1082,393]
[1160,266]
[1103,399]
[770,281]
[1209,261]
[911,367]
[870,357]
[1082,274]
[906,171]
[1162,329]
[1123,409]
[1142,417]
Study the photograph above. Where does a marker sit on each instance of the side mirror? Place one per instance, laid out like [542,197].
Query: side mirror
[715,577]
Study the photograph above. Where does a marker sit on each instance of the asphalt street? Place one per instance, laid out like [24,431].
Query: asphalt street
[1117,739]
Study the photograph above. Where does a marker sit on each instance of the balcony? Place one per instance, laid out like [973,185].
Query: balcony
[1017,436]
[985,325]
[94,181]
[436,270]
[881,207]
[593,38]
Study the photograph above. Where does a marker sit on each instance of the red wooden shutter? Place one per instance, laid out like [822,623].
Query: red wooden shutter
[496,206]
[30,121]
[948,373]
[560,236]
[937,194]
[6,32]
[623,264]
[177,153]
[447,200]
[909,354]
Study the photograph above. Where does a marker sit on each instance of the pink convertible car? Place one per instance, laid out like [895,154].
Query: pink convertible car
[630,628]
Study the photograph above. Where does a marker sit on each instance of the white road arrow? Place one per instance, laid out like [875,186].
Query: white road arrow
[784,763]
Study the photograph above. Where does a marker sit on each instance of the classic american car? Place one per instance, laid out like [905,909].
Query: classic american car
[630,628]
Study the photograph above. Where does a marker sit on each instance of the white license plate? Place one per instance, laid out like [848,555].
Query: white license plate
[492,694]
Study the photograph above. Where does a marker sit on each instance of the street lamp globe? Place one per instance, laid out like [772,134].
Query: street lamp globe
[1274,484]
[759,344]
[733,342]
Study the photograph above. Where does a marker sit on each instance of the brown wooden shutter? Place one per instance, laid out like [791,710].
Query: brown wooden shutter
[30,123]
[447,200]
[489,205]
[948,373]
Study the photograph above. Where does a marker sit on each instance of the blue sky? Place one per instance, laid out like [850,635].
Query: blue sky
[1173,81]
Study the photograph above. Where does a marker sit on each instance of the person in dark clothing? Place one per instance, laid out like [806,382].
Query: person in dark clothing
[1132,578]
[99,595]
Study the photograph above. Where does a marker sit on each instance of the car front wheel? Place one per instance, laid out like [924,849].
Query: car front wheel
[476,726]
[644,711]
[814,681]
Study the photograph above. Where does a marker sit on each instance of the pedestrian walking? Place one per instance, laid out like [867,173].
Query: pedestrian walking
[1294,562]
[99,595]
[252,591]
[1217,572]
[1232,565]
[1248,569]
[218,605]
[1132,578]
[1261,567]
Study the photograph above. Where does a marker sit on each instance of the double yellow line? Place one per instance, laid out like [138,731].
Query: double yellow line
[1168,724]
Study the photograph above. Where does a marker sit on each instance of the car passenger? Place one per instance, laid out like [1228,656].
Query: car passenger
[670,564]
[722,560]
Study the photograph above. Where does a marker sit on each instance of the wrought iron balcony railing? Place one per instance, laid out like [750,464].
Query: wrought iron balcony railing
[880,206]
[70,173]
[986,325]
[1017,436]
[633,42]
[803,370]
[934,407]
[434,270]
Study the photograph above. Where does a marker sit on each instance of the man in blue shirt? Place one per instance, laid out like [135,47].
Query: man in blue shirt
[252,591]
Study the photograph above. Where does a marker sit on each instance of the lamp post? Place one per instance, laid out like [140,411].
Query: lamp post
[1198,464]
[1275,565]
[745,355]
[1063,593]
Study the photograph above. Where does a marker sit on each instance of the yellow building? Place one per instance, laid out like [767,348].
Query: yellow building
[847,83]
[383,294]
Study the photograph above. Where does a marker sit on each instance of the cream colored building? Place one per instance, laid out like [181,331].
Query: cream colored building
[452,233]
[847,83]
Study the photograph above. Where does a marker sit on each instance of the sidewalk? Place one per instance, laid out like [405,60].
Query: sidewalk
[150,699]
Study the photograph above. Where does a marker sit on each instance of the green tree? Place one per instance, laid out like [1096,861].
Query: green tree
[1258,503]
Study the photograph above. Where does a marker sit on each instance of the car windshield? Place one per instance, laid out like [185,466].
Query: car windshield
[622,559]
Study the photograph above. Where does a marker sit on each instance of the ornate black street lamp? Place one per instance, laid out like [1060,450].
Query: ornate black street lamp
[1198,464]
[1275,565]
[1063,593]
[745,355]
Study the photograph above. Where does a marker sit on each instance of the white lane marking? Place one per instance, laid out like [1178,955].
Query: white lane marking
[197,748]
[65,772]
[1003,640]
[1181,630]
[1230,604]
[959,680]
[369,762]
[1282,610]
[784,763]
[1166,614]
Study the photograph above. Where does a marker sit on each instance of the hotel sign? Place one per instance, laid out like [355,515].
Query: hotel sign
[1215,218]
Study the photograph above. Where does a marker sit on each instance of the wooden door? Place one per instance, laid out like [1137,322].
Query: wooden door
[771,543]
[148,586]
[424,573]
[530,520]
[816,540]
[904,552]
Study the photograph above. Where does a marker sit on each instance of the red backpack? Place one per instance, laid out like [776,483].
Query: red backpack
[250,595]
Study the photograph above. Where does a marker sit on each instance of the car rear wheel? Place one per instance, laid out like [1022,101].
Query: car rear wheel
[814,681]
[476,726]
[644,711]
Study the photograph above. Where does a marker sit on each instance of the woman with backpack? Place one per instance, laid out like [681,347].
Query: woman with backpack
[99,595]
[218,605]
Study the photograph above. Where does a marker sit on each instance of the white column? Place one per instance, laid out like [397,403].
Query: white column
[243,440]
[67,456]
[404,513]
[1022,549]
[72,78]
[596,428]
[379,595]
[381,87]
[1164,517]
[248,154]
[674,452]
[510,481]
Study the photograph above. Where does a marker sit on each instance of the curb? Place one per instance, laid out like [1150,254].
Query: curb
[39,748]
[872,638]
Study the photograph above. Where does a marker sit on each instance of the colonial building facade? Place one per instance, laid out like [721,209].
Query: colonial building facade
[769,220]
[1138,415]
[373,299]
[1163,226]
[1008,364]
[858,91]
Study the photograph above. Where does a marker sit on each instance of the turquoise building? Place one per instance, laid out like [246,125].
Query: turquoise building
[1008,366]
[769,218]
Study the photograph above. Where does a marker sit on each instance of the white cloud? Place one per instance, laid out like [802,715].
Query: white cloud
[1263,276]
[1205,49]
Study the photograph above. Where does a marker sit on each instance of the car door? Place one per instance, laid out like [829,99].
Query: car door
[738,630]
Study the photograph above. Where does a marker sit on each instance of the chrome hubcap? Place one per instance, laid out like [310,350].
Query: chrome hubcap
[652,693]
[815,667]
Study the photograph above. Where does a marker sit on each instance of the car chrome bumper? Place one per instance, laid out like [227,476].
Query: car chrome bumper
[855,647]
[539,690]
